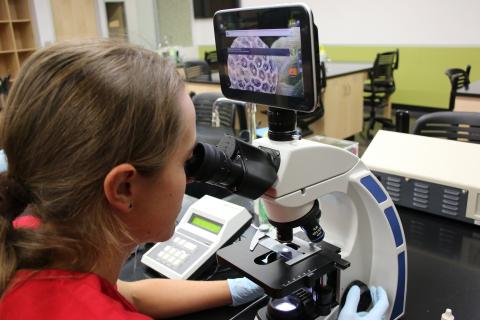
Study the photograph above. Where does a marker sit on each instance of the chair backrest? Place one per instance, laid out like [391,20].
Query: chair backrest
[462,126]
[381,74]
[203,103]
[4,85]
[227,110]
[459,78]
[197,70]
[212,59]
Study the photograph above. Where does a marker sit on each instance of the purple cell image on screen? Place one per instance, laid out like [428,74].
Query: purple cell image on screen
[256,73]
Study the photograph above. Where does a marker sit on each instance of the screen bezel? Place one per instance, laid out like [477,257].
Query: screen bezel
[302,13]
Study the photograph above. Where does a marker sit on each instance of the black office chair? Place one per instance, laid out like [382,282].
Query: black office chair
[197,70]
[228,110]
[462,126]
[379,88]
[212,60]
[5,84]
[459,78]
[4,88]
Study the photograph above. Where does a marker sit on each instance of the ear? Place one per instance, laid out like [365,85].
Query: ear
[117,187]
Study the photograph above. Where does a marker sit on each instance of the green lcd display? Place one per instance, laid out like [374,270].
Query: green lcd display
[205,224]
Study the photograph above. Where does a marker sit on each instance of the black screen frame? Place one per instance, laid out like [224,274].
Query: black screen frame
[204,9]
[274,17]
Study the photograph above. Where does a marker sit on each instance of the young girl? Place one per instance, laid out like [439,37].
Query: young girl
[96,135]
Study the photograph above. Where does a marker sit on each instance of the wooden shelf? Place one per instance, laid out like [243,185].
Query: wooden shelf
[20,20]
[3,11]
[17,41]
[19,9]
[26,50]
[8,64]
[23,35]
[6,37]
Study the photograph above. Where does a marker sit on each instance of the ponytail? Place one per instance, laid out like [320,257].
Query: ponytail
[13,200]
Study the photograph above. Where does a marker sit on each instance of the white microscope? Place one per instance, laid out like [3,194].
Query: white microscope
[335,223]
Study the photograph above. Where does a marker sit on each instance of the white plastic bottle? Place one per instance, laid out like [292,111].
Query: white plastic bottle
[447,315]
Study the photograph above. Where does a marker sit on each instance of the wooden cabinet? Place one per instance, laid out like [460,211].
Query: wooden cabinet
[343,102]
[17,40]
[74,19]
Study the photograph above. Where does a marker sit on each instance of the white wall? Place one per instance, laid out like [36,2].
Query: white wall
[203,32]
[381,22]
[142,28]
[140,18]
[45,30]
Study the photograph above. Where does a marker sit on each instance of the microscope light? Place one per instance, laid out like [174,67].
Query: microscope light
[286,306]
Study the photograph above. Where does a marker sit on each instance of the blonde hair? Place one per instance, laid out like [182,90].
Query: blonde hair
[76,110]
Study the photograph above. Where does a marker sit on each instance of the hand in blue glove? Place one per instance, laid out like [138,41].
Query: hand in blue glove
[243,291]
[379,301]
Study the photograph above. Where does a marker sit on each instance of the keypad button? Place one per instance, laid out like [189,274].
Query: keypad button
[190,246]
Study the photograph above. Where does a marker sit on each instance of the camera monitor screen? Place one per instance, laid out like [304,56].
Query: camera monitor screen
[267,55]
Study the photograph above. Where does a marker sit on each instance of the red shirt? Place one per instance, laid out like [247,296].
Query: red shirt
[66,295]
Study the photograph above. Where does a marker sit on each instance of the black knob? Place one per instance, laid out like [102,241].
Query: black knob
[365,297]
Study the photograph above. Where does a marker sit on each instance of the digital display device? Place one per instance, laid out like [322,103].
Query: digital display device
[268,55]
[205,224]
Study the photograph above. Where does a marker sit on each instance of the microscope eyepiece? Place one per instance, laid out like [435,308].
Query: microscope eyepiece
[234,165]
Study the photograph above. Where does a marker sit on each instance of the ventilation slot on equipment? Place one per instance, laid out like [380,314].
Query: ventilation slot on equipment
[394,187]
[451,202]
[421,195]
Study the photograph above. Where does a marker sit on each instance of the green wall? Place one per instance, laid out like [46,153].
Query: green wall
[420,77]
[177,27]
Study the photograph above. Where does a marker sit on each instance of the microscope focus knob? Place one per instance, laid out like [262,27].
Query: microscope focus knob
[365,297]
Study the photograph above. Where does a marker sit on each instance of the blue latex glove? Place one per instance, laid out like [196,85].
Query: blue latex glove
[3,161]
[243,291]
[379,301]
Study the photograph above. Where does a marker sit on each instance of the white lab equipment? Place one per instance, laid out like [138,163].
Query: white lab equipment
[358,218]
[206,226]
[428,174]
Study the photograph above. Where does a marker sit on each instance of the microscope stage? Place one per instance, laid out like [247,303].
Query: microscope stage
[278,277]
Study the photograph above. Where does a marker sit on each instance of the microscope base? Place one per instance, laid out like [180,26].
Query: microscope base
[262,315]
